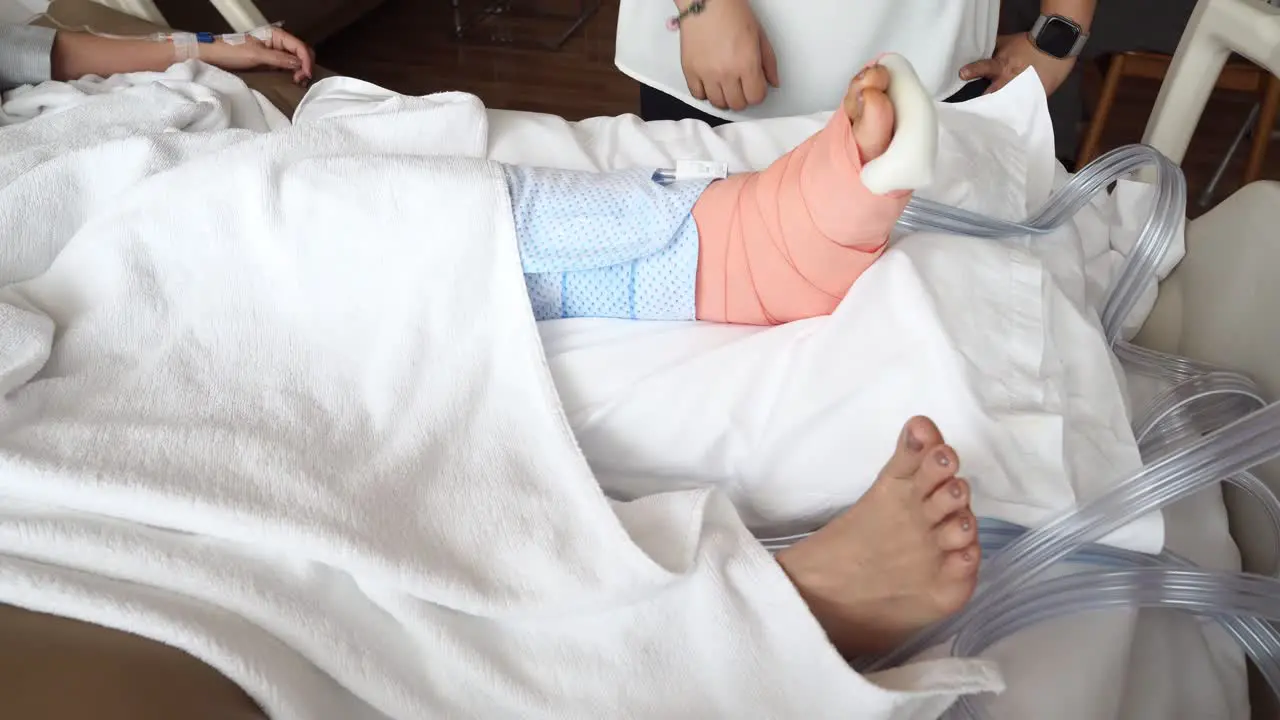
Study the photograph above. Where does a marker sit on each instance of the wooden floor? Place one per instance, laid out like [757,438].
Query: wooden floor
[408,46]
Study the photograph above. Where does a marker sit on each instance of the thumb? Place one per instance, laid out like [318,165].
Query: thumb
[989,68]
[769,61]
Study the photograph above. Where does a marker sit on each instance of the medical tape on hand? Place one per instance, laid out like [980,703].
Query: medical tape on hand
[185,46]
[262,34]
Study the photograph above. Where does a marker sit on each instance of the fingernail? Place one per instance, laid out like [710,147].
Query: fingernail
[295,64]
[955,490]
[964,74]
[861,74]
[913,443]
[942,459]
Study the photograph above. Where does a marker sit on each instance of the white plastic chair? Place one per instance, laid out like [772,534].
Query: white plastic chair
[241,15]
[1217,28]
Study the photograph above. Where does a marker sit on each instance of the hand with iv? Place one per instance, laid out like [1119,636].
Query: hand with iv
[77,54]
[280,51]
[726,56]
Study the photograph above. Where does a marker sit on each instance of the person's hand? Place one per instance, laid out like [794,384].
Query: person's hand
[1015,53]
[282,51]
[726,57]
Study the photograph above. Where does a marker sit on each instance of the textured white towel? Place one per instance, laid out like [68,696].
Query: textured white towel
[296,420]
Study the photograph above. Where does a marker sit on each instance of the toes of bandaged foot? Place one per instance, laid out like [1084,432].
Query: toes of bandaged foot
[904,556]
[871,112]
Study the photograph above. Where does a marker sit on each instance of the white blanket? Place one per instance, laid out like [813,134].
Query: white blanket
[279,400]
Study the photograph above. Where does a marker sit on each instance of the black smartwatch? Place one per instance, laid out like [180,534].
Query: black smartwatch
[1058,36]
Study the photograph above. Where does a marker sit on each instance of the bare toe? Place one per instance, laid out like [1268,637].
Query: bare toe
[873,128]
[950,497]
[872,77]
[958,531]
[959,575]
[962,565]
[939,466]
[918,436]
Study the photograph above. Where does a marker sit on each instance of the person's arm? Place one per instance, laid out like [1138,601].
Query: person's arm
[78,54]
[1078,11]
[75,55]
[24,55]
[1015,53]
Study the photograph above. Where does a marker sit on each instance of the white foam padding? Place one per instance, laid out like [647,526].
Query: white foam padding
[909,162]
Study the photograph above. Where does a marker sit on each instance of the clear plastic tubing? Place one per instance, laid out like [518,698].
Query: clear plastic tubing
[1168,213]
[1203,592]
[1258,638]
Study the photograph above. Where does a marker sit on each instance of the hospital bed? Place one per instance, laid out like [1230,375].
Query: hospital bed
[1224,275]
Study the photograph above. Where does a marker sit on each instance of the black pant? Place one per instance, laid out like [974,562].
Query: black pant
[657,105]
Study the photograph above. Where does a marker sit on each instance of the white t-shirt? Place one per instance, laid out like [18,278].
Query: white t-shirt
[821,45]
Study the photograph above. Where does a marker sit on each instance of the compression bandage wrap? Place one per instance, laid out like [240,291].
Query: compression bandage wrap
[786,243]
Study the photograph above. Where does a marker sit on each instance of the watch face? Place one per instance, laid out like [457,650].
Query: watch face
[1057,37]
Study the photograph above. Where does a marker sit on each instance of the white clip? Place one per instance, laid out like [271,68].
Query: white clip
[701,170]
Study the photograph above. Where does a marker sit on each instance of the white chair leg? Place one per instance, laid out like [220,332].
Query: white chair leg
[1191,78]
[145,9]
[1217,29]
[242,15]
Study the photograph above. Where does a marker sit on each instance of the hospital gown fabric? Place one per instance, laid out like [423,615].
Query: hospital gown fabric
[615,244]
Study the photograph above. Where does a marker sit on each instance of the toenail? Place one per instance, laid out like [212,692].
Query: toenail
[942,459]
[913,443]
[955,489]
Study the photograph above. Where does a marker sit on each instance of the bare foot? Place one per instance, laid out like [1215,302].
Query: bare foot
[903,557]
[870,111]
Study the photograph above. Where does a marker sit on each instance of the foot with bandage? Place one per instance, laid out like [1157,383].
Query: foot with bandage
[903,557]
[768,247]
[788,242]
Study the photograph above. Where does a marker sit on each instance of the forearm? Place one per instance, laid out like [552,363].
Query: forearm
[78,54]
[1078,11]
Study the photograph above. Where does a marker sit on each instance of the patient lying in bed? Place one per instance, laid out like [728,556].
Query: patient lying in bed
[757,248]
